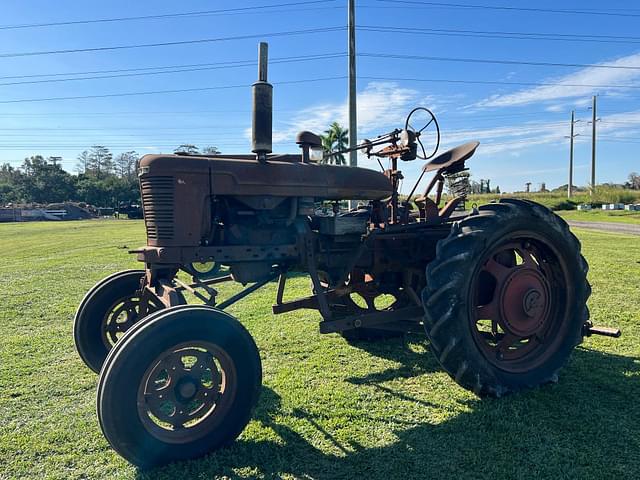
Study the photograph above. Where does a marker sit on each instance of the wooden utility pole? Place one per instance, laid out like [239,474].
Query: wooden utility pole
[353,123]
[571,137]
[593,145]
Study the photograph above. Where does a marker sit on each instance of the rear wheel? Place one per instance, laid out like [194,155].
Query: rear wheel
[505,301]
[180,384]
[205,270]
[107,311]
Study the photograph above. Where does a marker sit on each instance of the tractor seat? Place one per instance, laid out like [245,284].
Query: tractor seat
[452,160]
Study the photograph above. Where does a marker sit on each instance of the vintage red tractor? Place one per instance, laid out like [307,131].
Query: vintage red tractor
[500,290]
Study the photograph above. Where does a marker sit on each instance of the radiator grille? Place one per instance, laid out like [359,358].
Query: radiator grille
[157,202]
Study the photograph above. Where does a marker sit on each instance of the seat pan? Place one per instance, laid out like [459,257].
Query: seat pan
[448,158]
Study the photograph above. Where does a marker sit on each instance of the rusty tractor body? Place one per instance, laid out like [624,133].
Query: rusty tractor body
[500,290]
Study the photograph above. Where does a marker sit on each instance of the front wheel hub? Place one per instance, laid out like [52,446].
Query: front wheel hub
[186,389]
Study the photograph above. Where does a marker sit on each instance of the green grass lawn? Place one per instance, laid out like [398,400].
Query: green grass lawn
[557,200]
[328,410]
[617,216]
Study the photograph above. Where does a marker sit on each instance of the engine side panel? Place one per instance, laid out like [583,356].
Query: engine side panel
[178,191]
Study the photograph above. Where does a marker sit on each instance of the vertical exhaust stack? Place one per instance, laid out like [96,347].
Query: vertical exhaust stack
[262,107]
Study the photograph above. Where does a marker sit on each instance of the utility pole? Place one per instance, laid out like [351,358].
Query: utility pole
[571,137]
[353,123]
[593,145]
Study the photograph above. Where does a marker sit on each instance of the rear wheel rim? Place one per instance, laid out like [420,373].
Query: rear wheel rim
[186,391]
[519,303]
[204,268]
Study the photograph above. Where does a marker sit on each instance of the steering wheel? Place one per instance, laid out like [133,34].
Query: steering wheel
[423,116]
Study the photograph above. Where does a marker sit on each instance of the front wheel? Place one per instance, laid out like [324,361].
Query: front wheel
[505,301]
[107,311]
[180,384]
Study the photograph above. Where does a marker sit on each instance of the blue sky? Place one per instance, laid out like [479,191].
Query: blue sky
[521,127]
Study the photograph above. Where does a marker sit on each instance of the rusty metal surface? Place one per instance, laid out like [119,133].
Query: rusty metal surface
[456,155]
[262,217]
[236,176]
[518,311]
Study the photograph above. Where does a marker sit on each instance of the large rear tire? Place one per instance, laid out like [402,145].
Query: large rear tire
[106,312]
[505,301]
[179,385]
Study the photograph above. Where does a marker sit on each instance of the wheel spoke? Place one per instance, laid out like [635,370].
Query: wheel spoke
[489,311]
[424,152]
[428,123]
[507,341]
[527,258]
[497,271]
[174,366]
[207,396]
[370,303]
[156,400]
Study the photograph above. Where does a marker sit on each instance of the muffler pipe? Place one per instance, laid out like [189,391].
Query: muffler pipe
[262,120]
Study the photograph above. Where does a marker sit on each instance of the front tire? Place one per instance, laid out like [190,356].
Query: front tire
[109,309]
[505,301]
[180,384]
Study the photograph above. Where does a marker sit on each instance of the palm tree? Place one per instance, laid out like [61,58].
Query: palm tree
[335,139]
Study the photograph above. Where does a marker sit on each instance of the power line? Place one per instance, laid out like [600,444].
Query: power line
[508,8]
[622,122]
[501,34]
[122,113]
[613,137]
[128,146]
[134,72]
[153,129]
[204,67]
[383,28]
[163,67]
[147,113]
[180,42]
[289,82]
[156,92]
[161,16]
[492,61]
[498,82]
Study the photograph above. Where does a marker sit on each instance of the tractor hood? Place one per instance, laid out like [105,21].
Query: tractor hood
[280,175]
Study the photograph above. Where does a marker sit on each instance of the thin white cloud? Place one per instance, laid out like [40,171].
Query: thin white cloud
[517,138]
[382,106]
[563,90]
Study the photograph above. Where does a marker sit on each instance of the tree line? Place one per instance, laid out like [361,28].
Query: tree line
[101,178]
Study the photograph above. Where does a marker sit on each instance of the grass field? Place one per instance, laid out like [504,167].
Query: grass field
[557,200]
[616,216]
[328,410]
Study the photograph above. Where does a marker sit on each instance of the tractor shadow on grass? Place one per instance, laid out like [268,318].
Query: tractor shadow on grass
[412,362]
[584,427]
